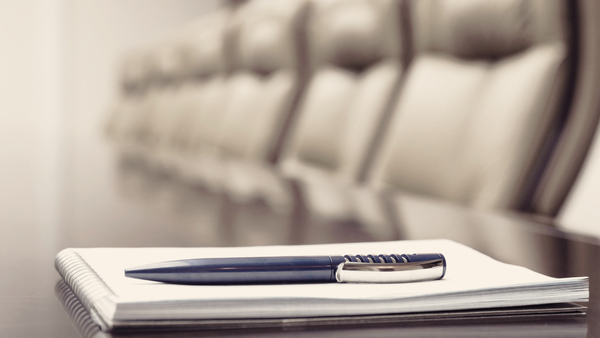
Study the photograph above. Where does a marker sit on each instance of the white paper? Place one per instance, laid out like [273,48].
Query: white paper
[472,280]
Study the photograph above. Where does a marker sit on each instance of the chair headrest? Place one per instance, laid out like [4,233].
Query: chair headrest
[202,47]
[484,29]
[135,69]
[267,34]
[354,33]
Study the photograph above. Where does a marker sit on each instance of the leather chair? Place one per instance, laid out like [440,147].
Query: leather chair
[134,79]
[357,54]
[192,103]
[259,96]
[356,57]
[487,81]
[574,173]
[573,142]
[170,89]
[269,75]
[240,115]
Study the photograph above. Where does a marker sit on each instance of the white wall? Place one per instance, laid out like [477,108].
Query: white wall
[30,101]
[57,79]
[99,33]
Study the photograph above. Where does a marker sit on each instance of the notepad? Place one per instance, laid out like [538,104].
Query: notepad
[473,281]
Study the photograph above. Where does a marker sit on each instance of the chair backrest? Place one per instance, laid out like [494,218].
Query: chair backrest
[356,52]
[205,59]
[162,84]
[268,44]
[485,84]
[134,81]
[580,211]
[187,65]
[573,143]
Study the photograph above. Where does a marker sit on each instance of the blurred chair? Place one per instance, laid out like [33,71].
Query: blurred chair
[236,107]
[574,140]
[168,86]
[270,74]
[150,107]
[125,115]
[257,100]
[487,81]
[580,211]
[357,55]
[192,107]
[356,52]
[171,87]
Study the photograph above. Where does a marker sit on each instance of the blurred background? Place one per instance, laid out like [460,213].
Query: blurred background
[59,62]
[218,117]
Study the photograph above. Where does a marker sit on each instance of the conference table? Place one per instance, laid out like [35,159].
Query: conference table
[33,301]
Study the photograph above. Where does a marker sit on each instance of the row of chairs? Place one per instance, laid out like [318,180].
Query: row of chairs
[462,100]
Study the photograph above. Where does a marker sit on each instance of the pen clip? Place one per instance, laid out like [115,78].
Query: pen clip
[357,272]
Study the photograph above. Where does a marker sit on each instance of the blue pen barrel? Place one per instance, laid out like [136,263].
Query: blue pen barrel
[382,268]
[241,270]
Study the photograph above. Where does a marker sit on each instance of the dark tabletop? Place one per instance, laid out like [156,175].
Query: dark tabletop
[30,289]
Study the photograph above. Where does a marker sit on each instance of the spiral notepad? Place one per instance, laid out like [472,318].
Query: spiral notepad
[473,282]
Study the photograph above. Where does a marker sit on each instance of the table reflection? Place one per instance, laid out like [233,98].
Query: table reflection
[459,324]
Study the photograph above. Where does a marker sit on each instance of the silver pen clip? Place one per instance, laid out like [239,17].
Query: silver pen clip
[358,272]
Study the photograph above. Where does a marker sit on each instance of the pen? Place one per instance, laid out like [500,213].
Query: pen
[392,268]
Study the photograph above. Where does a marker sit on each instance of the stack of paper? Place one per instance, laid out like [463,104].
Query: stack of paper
[472,281]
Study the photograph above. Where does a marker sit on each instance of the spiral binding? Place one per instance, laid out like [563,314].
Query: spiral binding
[89,288]
[393,258]
[80,317]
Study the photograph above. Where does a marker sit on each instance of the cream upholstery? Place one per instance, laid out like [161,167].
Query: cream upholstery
[205,60]
[135,76]
[166,73]
[135,71]
[356,56]
[242,114]
[245,114]
[202,46]
[256,114]
[266,81]
[484,86]
[125,120]
[162,84]
[355,59]
[355,53]
[189,108]
[204,102]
